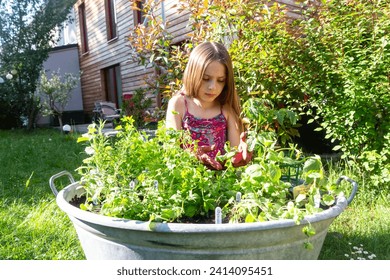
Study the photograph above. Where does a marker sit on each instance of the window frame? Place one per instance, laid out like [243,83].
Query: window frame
[83,28]
[138,15]
[111,19]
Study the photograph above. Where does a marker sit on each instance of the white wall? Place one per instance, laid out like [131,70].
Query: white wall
[65,59]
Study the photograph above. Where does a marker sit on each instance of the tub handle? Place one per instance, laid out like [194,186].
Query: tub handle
[354,187]
[56,176]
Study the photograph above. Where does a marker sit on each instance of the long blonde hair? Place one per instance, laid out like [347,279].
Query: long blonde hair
[201,56]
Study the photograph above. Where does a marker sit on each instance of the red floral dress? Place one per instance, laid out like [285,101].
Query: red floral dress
[207,131]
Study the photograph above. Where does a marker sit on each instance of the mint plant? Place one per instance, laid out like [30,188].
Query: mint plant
[132,176]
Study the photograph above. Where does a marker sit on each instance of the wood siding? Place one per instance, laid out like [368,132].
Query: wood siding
[103,54]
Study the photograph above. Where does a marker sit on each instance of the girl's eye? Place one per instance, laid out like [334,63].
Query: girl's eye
[208,79]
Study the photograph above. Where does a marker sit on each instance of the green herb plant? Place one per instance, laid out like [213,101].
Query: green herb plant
[132,176]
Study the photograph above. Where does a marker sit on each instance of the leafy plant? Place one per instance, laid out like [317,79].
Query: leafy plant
[136,107]
[152,46]
[282,122]
[347,44]
[155,179]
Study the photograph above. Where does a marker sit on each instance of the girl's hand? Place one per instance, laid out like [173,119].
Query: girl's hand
[202,156]
[243,156]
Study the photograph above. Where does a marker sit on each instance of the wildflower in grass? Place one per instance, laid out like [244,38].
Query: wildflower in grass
[358,253]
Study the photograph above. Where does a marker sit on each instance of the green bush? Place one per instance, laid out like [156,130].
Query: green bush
[136,107]
[347,46]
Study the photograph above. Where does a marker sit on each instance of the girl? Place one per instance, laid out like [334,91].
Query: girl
[208,105]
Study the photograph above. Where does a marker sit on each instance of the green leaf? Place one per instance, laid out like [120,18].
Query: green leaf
[309,230]
[313,164]
[274,172]
[336,148]
[308,246]
[328,200]
[249,218]
[314,175]
[254,171]
[301,197]
[82,139]
[29,179]
[190,210]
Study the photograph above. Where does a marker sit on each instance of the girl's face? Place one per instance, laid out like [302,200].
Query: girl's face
[213,82]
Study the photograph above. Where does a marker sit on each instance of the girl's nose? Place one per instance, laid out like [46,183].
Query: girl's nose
[211,85]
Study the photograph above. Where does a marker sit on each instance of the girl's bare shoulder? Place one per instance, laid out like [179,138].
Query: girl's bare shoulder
[177,99]
[227,111]
[177,103]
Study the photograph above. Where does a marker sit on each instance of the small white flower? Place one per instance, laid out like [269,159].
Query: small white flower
[9,76]
[359,252]
[89,150]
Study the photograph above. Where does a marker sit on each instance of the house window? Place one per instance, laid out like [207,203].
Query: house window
[83,28]
[137,13]
[112,84]
[111,19]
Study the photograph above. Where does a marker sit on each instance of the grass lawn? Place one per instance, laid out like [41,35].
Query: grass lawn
[33,227]
[31,224]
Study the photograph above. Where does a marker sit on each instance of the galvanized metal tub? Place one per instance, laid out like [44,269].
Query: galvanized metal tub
[110,238]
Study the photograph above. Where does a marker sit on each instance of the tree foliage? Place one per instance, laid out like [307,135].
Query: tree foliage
[26,38]
[55,92]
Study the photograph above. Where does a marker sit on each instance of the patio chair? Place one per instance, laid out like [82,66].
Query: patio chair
[106,111]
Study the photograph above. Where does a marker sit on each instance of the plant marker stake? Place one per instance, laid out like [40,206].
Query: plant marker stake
[238,197]
[132,185]
[156,184]
[218,215]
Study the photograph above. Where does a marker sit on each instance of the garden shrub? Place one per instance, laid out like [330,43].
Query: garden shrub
[348,44]
[136,107]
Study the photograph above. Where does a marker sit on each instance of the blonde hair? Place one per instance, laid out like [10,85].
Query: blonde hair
[200,58]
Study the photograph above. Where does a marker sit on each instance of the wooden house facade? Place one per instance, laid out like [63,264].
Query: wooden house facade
[103,27]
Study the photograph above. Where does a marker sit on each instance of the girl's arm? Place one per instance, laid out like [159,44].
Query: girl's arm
[237,139]
[175,112]
[233,127]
